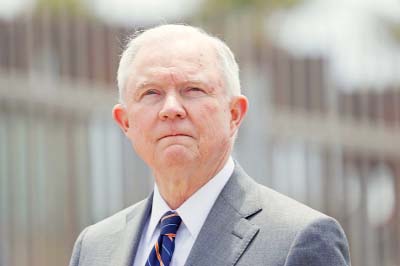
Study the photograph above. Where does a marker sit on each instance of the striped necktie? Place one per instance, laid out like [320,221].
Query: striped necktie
[163,249]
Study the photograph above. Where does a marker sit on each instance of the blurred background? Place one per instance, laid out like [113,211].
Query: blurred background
[322,77]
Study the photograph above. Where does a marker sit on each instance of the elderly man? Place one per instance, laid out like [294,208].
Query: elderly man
[181,106]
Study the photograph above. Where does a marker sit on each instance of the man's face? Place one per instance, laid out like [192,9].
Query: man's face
[177,109]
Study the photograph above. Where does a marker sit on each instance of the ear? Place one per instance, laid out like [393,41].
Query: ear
[238,108]
[120,116]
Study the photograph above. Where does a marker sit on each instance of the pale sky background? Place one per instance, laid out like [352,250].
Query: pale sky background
[352,34]
[134,12]
[11,8]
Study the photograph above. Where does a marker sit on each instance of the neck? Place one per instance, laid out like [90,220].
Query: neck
[179,184]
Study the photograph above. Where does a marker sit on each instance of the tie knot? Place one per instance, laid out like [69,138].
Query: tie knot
[170,223]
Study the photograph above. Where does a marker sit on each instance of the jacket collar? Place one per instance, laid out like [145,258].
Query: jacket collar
[227,232]
[130,234]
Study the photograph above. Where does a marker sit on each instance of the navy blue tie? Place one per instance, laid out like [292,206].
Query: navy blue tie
[163,249]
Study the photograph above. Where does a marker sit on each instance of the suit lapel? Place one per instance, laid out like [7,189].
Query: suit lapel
[129,236]
[227,232]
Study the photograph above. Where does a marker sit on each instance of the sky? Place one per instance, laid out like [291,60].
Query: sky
[125,12]
[352,34]
[133,12]
[11,8]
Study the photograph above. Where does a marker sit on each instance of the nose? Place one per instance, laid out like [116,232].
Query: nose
[172,108]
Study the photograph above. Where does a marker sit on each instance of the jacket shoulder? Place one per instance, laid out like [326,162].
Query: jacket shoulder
[300,234]
[116,221]
[285,209]
[95,242]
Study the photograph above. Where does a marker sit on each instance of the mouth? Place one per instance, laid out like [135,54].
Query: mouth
[174,135]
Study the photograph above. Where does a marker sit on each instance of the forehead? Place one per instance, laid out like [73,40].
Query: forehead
[189,54]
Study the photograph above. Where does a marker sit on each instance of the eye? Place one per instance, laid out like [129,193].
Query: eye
[195,91]
[150,92]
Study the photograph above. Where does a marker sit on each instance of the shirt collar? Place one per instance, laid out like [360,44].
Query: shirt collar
[159,207]
[195,209]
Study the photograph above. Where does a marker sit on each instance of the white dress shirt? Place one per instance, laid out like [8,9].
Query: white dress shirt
[193,213]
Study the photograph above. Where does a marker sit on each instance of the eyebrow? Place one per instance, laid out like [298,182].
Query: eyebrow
[145,84]
[195,81]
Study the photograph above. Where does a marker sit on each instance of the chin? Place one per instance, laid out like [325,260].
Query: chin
[177,155]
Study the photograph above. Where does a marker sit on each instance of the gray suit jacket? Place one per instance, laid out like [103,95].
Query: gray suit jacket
[249,224]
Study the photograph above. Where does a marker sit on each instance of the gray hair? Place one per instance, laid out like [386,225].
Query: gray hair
[227,62]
